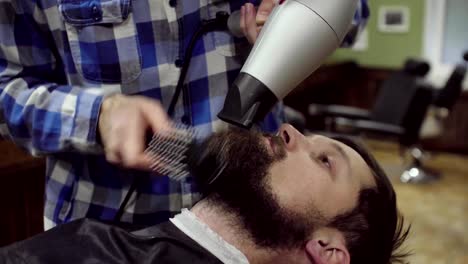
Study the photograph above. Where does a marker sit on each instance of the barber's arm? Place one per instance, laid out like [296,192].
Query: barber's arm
[36,111]
[44,116]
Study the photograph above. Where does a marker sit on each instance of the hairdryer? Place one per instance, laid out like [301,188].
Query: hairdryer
[295,40]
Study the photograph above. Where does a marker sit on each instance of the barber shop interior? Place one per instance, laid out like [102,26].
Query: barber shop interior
[240,131]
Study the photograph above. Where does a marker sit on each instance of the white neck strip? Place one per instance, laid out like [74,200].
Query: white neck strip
[188,223]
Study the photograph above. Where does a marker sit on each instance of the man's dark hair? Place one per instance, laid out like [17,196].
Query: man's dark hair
[373,230]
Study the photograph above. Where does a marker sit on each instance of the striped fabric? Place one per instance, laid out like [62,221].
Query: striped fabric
[60,58]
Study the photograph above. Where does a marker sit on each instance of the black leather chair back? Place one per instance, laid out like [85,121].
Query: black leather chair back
[395,98]
[415,115]
[404,100]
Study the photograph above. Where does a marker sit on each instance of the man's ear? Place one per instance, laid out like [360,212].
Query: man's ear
[328,246]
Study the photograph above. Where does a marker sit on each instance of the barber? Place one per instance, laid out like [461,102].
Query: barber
[81,82]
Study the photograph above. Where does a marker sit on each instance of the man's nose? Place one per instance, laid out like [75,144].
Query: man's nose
[290,136]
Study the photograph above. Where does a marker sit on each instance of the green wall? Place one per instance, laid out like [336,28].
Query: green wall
[388,50]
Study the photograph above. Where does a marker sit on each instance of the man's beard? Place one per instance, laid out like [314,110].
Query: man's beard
[243,191]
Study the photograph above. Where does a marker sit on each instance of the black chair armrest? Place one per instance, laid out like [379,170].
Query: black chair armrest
[368,126]
[318,110]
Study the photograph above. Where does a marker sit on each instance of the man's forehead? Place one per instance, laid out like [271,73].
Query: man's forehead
[359,167]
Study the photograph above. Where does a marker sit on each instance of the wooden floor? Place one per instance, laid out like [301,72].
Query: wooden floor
[438,212]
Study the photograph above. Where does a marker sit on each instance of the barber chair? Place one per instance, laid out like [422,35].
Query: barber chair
[399,112]
[444,100]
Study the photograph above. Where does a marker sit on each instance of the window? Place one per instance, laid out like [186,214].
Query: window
[446,36]
[455,36]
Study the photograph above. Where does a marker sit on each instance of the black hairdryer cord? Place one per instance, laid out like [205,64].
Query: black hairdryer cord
[217,24]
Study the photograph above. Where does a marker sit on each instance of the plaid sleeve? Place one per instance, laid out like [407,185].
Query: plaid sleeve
[36,112]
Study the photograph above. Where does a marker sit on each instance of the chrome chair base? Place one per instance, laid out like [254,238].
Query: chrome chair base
[416,173]
[419,175]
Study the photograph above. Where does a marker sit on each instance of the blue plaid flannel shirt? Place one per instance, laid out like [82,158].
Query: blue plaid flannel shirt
[60,58]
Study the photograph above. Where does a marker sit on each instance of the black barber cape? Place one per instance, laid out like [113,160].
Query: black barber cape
[87,241]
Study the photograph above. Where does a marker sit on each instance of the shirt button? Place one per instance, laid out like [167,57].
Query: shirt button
[179,63]
[185,120]
[173,3]
[97,15]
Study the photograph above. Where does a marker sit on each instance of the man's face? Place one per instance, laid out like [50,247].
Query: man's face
[283,187]
[317,169]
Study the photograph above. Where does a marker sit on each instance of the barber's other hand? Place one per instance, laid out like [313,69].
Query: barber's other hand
[123,123]
[251,21]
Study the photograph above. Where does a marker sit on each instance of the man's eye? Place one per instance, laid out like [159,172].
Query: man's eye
[325,160]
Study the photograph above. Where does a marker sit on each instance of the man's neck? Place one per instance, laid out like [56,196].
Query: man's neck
[228,227]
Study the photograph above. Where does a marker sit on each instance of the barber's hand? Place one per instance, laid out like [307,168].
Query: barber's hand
[251,21]
[123,123]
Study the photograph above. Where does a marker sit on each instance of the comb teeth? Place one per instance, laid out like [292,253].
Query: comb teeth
[168,151]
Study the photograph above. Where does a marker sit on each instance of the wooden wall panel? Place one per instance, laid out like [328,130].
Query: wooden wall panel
[455,135]
[21,194]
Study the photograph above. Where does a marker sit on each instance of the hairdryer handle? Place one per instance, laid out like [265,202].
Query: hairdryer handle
[233,24]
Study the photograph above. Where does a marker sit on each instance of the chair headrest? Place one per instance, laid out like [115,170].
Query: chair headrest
[416,67]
